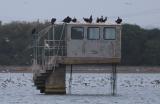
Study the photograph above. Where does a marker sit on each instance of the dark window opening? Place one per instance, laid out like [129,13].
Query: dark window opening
[77,33]
[93,33]
[109,33]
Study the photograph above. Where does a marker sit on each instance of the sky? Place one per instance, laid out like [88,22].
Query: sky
[145,13]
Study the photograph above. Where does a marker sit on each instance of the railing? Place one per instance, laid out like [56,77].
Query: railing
[47,50]
[52,50]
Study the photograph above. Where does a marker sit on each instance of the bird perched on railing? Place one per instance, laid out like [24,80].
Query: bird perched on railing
[46,45]
[119,20]
[88,20]
[33,31]
[53,20]
[74,20]
[67,19]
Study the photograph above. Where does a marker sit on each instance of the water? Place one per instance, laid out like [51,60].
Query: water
[18,88]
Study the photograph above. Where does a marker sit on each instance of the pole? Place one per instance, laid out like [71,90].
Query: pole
[70,80]
[114,79]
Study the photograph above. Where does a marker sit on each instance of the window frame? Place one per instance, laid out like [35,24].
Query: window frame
[105,34]
[88,33]
[82,33]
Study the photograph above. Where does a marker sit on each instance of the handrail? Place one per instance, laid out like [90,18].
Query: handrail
[45,30]
[55,61]
[50,62]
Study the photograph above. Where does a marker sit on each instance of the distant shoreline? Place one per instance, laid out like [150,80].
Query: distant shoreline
[120,69]
[15,69]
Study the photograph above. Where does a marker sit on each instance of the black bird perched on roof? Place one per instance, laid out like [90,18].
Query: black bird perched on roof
[67,19]
[88,20]
[53,20]
[101,20]
[104,19]
[118,21]
[98,20]
[74,20]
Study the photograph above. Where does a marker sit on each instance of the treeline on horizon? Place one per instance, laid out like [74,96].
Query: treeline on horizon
[139,46]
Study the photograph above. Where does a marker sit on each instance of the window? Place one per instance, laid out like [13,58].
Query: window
[109,33]
[77,33]
[93,33]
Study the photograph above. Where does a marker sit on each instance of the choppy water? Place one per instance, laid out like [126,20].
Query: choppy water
[87,88]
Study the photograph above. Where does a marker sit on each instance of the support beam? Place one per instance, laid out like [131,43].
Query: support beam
[55,83]
[114,79]
[70,80]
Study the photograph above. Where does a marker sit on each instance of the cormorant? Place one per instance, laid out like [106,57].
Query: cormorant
[101,20]
[98,20]
[88,20]
[33,30]
[104,20]
[74,20]
[67,19]
[118,21]
[53,20]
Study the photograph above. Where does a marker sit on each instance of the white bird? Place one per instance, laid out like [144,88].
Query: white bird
[46,44]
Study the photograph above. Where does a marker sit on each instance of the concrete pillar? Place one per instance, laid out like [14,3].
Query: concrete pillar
[55,83]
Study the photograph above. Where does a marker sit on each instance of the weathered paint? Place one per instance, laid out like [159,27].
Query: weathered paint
[51,78]
[55,83]
[94,48]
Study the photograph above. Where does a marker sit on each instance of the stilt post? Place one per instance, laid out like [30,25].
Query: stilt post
[70,80]
[114,79]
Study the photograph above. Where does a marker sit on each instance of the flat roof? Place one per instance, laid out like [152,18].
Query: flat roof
[83,23]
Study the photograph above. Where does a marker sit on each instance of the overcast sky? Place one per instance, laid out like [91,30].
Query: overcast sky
[142,12]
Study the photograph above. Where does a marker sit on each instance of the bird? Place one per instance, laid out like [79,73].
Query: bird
[104,20]
[88,20]
[53,20]
[46,44]
[67,19]
[74,20]
[101,19]
[119,20]
[33,31]
[98,20]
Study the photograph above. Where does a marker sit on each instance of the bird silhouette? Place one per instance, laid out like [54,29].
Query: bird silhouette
[101,19]
[67,19]
[88,20]
[98,20]
[119,20]
[46,44]
[104,20]
[74,20]
[33,30]
[53,20]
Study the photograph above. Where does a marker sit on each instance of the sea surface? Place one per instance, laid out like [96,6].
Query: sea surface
[86,88]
